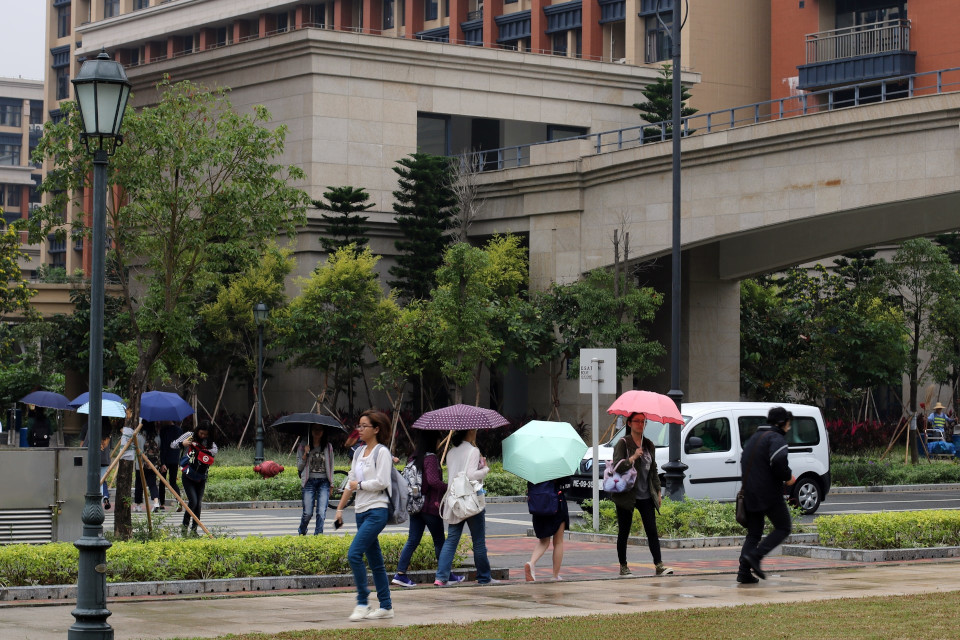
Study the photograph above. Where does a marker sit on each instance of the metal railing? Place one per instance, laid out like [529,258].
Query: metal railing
[898,88]
[862,40]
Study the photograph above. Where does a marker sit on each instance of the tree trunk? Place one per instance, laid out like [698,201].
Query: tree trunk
[122,524]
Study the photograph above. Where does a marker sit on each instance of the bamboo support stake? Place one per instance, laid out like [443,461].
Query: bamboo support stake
[179,499]
[143,484]
[114,462]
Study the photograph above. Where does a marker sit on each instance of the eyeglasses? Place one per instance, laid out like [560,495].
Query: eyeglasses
[364,426]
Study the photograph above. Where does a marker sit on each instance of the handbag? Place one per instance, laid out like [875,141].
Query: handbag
[741,510]
[614,482]
[464,498]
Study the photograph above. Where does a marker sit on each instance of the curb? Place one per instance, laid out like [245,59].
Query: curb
[25,595]
[680,543]
[296,504]
[862,555]
[894,488]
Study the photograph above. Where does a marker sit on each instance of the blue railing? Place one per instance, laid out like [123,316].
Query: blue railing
[897,88]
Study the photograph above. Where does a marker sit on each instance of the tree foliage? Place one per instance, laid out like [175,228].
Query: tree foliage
[659,105]
[345,226]
[425,207]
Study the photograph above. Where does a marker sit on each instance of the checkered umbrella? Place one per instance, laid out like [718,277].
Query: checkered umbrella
[460,417]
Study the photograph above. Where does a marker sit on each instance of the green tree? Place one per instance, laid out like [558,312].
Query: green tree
[425,207]
[346,225]
[333,320]
[229,318]
[199,192]
[916,273]
[944,340]
[14,293]
[659,105]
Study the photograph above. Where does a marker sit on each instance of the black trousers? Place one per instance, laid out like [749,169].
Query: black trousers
[648,514]
[138,485]
[194,495]
[779,516]
[171,476]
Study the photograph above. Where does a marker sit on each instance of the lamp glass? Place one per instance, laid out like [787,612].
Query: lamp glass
[260,312]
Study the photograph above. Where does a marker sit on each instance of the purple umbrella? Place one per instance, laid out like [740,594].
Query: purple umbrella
[46,399]
[460,417]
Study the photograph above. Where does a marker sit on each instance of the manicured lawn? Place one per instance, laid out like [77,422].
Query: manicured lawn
[924,617]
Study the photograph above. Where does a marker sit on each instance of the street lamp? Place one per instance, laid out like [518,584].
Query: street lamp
[102,90]
[259,316]
[673,469]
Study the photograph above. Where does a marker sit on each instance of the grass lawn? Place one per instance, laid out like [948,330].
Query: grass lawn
[922,617]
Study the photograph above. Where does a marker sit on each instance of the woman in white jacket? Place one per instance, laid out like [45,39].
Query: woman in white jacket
[370,478]
[464,456]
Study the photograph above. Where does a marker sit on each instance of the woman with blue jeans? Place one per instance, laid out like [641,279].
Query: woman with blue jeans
[369,477]
[432,487]
[464,456]
[315,464]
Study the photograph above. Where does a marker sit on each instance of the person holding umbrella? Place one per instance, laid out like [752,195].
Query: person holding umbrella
[315,465]
[549,527]
[640,452]
[464,456]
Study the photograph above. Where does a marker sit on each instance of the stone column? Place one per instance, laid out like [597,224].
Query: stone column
[540,42]
[373,16]
[592,33]
[458,14]
[491,9]
[413,18]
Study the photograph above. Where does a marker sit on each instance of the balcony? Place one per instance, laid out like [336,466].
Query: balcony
[857,54]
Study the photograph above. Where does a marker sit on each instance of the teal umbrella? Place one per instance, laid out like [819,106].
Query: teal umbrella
[540,451]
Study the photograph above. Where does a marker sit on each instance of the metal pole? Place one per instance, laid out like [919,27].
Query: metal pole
[595,433]
[673,470]
[91,613]
[258,455]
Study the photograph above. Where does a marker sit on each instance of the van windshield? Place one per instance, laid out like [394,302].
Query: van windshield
[657,432]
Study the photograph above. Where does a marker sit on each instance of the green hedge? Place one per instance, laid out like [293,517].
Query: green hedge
[890,530]
[856,471]
[688,519]
[205,558]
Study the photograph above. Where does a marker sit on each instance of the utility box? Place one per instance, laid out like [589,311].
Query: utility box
[43,494]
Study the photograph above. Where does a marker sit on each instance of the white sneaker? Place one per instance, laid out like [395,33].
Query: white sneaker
[359,612]
[380,614]
[156,505]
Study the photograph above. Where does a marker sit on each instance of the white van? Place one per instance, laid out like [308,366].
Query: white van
[711,445]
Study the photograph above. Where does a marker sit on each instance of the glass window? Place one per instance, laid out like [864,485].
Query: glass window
[560,44]
[36,112]
[558,132]
[433,135]
[714,435]
[10,155]
[140,4]
[13,196]
[63,21]
[111,8]
[388,14]
[10,115]
[430,9]
[320,15]
[63,83]
[283,22]
[658,38]
[804,431]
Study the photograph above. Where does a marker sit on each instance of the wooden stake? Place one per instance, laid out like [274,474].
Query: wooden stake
[179,499]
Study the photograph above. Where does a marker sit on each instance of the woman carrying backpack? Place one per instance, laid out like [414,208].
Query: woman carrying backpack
[369,477]
[315,464]
[548,526]
[464,457]
[424,463]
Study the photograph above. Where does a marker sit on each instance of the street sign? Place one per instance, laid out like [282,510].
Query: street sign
[598,364]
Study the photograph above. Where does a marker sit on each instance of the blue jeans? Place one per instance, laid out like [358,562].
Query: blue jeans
[478,532]
[316,492]
[369,525]
[418,522]
[104,488]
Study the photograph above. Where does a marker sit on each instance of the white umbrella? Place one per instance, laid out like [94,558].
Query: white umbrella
[108,408]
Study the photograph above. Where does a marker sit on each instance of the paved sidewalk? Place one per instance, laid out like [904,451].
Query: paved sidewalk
[704,578]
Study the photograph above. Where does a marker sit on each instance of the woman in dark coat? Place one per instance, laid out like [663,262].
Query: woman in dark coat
[633,449]
[550,527]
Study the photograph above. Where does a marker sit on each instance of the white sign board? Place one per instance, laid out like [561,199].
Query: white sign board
[598,363]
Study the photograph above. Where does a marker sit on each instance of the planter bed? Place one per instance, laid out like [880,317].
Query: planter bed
[864,555]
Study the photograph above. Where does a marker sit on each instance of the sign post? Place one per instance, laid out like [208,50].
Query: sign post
[598,374]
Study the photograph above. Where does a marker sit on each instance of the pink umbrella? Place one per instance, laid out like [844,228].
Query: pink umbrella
[654,406]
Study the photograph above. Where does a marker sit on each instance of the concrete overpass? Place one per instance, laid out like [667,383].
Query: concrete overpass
[755,199]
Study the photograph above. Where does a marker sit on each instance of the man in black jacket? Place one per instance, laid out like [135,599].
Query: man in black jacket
[765,470]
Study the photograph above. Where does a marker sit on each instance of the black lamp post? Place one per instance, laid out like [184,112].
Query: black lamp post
[259,316]
[101,90]
[673,470]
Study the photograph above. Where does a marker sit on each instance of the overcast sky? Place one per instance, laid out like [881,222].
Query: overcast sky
[22,45]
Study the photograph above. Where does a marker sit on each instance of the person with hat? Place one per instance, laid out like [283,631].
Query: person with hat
[765,470]
[939,420]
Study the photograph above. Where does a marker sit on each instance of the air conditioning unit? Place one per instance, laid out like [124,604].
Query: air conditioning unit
[35,205]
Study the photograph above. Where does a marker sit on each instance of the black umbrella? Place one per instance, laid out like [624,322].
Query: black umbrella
[297,423]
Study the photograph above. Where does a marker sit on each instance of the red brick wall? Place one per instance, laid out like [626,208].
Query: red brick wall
[789,25]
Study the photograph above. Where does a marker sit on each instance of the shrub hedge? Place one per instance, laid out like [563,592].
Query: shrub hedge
[205,558]
[890,530]
[856,471]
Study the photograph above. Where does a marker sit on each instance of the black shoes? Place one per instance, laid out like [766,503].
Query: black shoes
[747,578]
[753,560]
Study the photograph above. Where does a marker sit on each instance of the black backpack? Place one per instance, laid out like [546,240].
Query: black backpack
[543,499]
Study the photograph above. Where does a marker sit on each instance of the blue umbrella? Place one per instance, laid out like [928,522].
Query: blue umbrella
[108,409]
[84,398]
[46,399]
[162,405]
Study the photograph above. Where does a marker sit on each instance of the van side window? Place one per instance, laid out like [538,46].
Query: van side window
[748,426]
[803,432]
[715,435]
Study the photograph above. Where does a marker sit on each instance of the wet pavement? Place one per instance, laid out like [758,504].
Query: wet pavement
[704,578]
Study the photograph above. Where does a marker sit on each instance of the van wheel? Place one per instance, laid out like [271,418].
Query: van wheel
[807,495]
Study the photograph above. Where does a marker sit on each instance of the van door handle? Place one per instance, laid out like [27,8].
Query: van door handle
[730,461]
